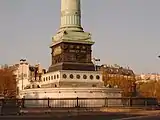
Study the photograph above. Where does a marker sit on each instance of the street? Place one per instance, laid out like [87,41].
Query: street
[81,117]
[92,115]
[154,117]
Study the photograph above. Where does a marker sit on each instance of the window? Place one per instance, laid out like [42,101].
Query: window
[43,79]
[51,77]
[17,90]
[84,76]
[54,76]
[97,77]
[71,76]
[91,77]
[78,76]
[64,76]
[57,76]
[46,78]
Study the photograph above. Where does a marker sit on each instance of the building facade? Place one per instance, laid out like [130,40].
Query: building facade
[116,71]
[148,77]
[27,76]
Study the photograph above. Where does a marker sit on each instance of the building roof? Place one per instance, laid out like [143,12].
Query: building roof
[116,70]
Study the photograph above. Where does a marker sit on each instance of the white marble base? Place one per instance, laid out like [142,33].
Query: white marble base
[72,93]
[72,78]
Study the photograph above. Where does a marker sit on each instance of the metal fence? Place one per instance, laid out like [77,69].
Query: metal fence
[80,102]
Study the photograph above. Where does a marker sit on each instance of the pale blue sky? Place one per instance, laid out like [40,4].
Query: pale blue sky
[126,32]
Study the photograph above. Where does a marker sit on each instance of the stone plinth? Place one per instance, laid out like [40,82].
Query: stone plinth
[72,94]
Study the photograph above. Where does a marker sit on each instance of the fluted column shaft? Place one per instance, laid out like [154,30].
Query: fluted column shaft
[70,13]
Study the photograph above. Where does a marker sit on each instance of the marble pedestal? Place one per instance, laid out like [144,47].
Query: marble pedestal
[87,97]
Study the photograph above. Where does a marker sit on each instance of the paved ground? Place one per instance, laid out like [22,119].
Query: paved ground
[154,117]
[85,117]
[113,114]
[92,117]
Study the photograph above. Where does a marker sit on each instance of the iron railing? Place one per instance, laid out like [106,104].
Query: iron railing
[80,102]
